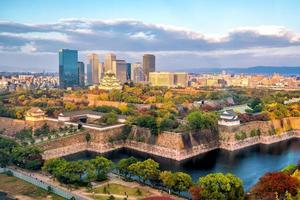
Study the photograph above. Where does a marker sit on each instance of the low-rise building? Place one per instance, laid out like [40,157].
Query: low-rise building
[35,114]
[168,79]
[229,118]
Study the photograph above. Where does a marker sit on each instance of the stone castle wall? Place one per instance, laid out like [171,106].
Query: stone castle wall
[267,128]
[11,126]
[177,146]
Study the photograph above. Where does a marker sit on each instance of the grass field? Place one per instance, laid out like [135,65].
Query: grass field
[117,189]
[16,187]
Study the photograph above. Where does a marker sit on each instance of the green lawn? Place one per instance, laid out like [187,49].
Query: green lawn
[118,189]
[14,186]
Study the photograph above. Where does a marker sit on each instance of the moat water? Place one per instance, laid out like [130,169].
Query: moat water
[249,163]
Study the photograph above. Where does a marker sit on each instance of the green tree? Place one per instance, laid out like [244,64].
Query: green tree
[147,121]
[183,182]
[168,179]
[198,120]
[102,166]
[54,166]
[123,165]
[108,119]
[4,158]
[146,170]
[220,186]
[7,144]
[27,157]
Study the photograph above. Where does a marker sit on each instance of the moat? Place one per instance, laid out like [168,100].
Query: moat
[249,163]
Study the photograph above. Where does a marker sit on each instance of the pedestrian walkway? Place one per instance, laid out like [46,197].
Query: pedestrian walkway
[45,183]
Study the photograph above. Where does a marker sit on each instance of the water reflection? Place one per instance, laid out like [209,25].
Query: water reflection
[249,163]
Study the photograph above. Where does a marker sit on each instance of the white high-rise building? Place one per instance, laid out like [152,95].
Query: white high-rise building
[137,73]
[108,62]
[93,69]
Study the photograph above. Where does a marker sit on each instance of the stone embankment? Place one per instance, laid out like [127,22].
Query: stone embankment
[237,145]
[177,146]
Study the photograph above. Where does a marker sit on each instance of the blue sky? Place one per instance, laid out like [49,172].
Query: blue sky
[182,33]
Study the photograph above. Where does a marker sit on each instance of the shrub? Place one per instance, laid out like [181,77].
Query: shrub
[108,119]
[107,109]
[240,135]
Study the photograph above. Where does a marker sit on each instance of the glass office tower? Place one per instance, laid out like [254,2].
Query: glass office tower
[68,69]
[81,74]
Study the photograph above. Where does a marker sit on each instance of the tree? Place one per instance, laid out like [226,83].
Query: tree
[4,158]
[54,166]
[168,179]
[275,182]
[24,136]
[123,165]
[147,121]
[146,170]
[7,144]
[218,186]
[102,166]
[107,109]
[27,157]
[183,182]
[43,130]
[195,192]
[109,119]
[199,120]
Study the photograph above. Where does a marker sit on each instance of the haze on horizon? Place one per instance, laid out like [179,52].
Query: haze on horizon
[182,34]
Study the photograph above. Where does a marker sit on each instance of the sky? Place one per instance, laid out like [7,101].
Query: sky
[182,34]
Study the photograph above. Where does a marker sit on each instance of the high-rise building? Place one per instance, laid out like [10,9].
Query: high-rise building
[128,71]
[108,62]
[148,65]
[89,80]
[80,73]
[101,71]
[68,70]
[94,67]
[168,79]
[137,73]
[119,68]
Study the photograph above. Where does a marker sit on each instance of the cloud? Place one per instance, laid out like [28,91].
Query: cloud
[130,38]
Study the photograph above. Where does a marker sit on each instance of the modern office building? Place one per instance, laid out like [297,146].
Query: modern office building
[68,69]
[148,65]
[108,62]
[89,79]
[93,75]
[128,71]
[80,74]
[180,79]
[119,68]
[101,71]
[168,79]
[137,73]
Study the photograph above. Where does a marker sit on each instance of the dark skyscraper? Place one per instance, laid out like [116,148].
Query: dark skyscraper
[148,65]
[81,73]
[128,71]
[68,69]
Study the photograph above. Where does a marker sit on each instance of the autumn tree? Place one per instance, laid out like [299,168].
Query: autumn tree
[277,182]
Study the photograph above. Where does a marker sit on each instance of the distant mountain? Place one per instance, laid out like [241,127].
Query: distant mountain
[266,70]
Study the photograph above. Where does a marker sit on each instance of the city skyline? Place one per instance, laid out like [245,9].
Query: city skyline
[265,34]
